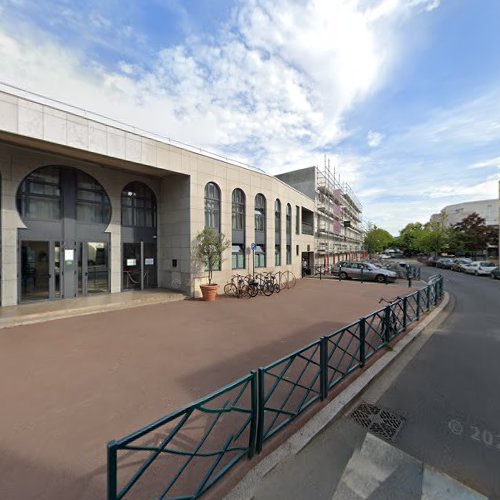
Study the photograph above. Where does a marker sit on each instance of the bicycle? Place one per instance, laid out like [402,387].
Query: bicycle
[237,287]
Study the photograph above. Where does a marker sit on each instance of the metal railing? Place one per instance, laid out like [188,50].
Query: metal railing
[190,449]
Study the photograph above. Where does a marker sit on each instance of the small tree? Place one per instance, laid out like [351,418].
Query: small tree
[210,246]
[377,239]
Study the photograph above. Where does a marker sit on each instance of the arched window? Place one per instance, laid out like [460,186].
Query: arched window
[260,213]
[277,233]
[288,233]
[39,195]
[238,229]
[238,210]
[212,206]
[92,202]
[138,206]
[260,230]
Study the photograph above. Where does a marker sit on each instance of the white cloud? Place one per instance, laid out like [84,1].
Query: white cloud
[272,89]
[491,163]
[374,139]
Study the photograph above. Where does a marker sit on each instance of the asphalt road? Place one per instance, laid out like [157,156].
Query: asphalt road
[446,386]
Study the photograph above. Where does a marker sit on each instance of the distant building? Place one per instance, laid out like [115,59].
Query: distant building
[339,235]
[487,209]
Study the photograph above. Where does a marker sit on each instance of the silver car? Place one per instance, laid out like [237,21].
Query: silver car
[365,270]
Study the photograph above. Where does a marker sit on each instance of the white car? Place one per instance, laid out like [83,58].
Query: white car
[480,268]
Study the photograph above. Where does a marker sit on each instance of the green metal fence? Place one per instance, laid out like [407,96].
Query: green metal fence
[181,455]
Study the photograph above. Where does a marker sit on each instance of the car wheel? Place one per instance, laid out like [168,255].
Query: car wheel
[379,278]
[343,275]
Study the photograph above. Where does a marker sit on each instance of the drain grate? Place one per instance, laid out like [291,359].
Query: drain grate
[379,421]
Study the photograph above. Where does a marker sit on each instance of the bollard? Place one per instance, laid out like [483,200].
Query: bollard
[386,279]
[340,273]
[409,280]
[362,275]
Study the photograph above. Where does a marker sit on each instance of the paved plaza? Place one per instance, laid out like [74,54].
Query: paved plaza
[69,386]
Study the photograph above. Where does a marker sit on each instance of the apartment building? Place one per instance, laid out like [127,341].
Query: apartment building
[337,217]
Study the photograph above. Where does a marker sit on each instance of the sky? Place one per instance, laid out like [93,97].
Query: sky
[402,96]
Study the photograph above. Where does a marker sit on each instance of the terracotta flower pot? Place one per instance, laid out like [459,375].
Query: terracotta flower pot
[209,292]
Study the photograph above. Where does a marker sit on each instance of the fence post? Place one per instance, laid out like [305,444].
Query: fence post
[260,414]
[418,306]
[323,368]
[112,482]
[362,346]
[435,293]
[387,323]
[253,422]
[405,312]
[361,275]
[340,273]
[428,298]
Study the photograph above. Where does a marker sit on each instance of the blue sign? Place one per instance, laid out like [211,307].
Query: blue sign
[254,246]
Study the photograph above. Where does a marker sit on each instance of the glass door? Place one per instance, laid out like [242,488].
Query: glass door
[97,267]
[131,276]
[149,250]
[35,270]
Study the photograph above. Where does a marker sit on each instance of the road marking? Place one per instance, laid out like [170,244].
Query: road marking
[486,437]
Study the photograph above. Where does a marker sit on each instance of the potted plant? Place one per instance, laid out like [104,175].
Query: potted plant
[209,248]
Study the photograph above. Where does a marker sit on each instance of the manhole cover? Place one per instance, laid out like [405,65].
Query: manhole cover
[379,421]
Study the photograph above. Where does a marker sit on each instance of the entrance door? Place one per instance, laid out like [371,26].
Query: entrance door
[92,268]
[139,266]
[132,276]
[37,270]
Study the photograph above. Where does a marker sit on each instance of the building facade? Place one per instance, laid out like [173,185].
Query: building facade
[453,214]
[92,206]
[338,232]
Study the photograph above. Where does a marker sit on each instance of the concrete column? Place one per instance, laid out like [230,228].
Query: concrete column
[10,222]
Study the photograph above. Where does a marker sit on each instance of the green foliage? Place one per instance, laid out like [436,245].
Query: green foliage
[377,240]
[210,246]
[473,235]
[410,237]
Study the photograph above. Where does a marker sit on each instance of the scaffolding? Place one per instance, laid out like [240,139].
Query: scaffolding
[336,203]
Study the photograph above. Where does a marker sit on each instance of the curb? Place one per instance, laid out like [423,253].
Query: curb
[245,489]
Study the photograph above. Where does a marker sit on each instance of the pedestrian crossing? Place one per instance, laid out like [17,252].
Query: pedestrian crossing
[378,470]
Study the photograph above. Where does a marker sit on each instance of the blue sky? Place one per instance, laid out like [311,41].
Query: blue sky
[403,96]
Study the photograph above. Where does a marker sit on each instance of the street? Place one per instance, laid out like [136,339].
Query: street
[445,386]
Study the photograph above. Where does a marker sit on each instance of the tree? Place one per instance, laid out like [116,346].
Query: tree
[377,240]
[210,246]
[473,235]
[409,237]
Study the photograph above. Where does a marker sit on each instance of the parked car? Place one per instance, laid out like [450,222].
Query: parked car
[495,274]
[431,261]
[479,268]
[384,256]
[459,263]
[444,263]
[350,270]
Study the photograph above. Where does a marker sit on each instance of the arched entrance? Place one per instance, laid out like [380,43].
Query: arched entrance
[139,248]
[64,249]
